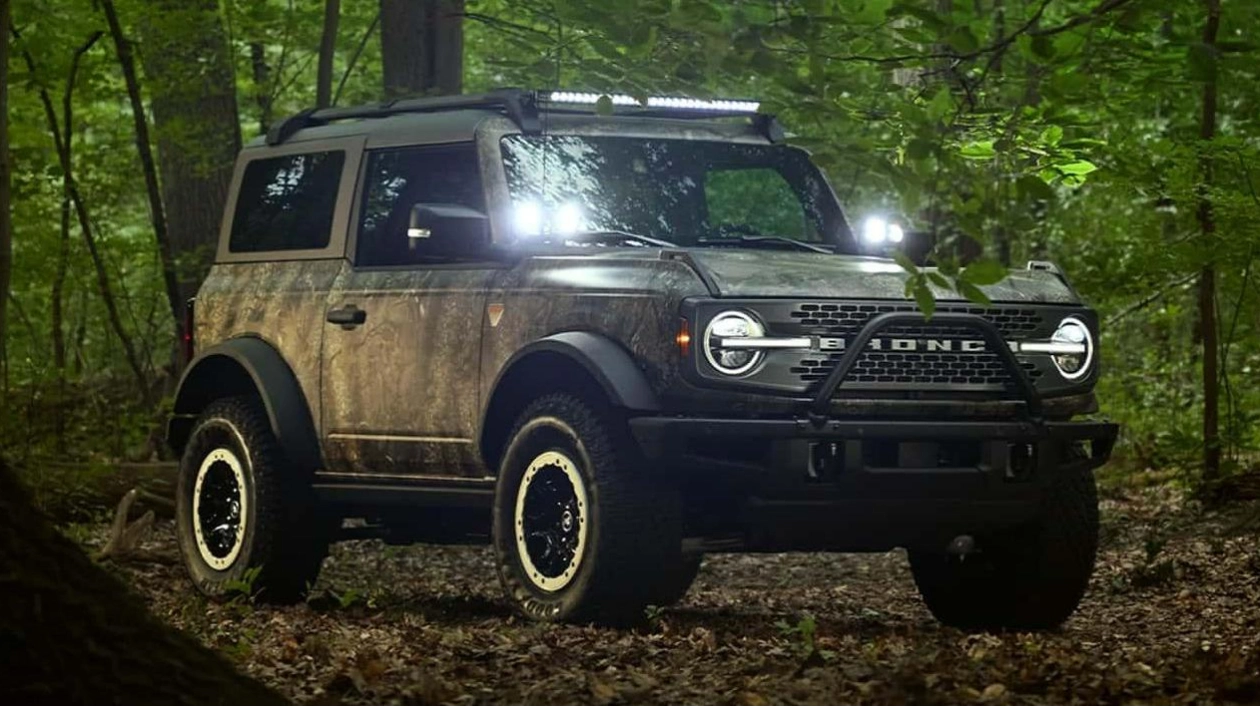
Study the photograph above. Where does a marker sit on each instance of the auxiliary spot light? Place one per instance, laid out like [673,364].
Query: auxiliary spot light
[878,231]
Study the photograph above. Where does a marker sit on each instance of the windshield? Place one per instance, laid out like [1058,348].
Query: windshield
[685,192]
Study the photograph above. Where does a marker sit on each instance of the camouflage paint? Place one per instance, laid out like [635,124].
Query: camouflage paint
[400,391]
[281,302]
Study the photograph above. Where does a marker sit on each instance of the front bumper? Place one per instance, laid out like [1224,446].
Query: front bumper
[815,480]
[856,485]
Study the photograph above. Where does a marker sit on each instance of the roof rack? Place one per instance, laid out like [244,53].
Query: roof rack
[519,105]
[523,107]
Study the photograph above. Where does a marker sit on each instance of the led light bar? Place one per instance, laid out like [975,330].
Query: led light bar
[668,102]
[590,98]
[702,104]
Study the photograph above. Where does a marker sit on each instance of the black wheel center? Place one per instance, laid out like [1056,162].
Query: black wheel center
[552,522]
[219,509]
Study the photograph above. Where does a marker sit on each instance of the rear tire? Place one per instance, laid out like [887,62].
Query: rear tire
[1025,579]
[239,506]
[581,530]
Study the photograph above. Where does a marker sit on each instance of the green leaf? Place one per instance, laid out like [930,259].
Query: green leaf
[604,105]
[1080,167]
[927,303]
[941,104]
[939,280]
[981,150]
[963,40]
[1052,135]
[1068,43]
[973,293]
[983,272]
[1202,62]
[1042,47]
[920,149]
[905,262]
[873,11]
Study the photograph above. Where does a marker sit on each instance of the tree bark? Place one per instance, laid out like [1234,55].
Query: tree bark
[85,225]
[262,85]
[1207,276]
[188,63]
[422,46]
[157,212]
[327,50]
[85,637]
[6,219]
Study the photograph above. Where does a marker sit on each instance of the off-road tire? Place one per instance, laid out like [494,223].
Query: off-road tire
[676,579]
[1024,579]
[283,536]
[633,519]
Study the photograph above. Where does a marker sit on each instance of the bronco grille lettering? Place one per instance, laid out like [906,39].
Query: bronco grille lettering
[912,345]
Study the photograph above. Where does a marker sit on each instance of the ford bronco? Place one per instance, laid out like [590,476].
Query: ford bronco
[608,336]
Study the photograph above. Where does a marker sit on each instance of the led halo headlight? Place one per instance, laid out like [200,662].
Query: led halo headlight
[1073,366]
[732,362]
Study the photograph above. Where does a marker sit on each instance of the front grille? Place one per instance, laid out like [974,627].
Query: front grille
[981,371]
[847,319]
[925,368]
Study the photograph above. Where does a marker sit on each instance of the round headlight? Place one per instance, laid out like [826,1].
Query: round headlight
[1074,333]
[732,325]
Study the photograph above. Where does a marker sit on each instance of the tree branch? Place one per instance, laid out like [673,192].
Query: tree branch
[1103,8]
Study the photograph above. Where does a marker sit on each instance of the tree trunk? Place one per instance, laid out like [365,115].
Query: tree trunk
[1207,276]
[262,84]
[157,213]
[6,219]
[327,50]
[63,250]
[85,225]
[189,66]
[422,46]
[85,637]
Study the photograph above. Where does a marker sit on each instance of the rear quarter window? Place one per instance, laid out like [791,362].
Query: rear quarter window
[287,202]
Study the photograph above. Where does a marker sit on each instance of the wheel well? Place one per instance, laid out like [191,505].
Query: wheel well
[212,378]
[537,374]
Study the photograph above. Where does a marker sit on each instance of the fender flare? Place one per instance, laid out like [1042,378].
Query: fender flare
[603,359]
[274,382]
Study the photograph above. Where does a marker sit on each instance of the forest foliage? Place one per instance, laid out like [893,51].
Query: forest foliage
[1117,138]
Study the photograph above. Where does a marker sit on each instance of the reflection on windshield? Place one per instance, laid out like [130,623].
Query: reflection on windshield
[684,191]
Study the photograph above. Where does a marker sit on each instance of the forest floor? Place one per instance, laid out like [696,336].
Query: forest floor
[1172,615]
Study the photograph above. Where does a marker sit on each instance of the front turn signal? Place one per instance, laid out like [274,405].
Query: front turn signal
[683,337]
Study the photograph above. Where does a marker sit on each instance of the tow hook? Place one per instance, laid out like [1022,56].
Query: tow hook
[961,546]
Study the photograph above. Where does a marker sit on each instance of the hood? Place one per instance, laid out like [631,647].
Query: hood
[760,273]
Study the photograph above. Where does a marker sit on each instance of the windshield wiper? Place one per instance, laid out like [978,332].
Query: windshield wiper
[747,240]
[622,237]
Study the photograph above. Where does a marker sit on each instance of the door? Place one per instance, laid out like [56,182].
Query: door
[402,342]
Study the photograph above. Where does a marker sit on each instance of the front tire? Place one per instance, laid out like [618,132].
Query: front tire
[239,506]
[1025,579]
[581,531]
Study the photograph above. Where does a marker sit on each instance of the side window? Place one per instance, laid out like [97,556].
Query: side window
[287,203]
[754,201]
[400,179]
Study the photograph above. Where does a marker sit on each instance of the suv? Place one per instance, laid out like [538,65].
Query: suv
[607,337]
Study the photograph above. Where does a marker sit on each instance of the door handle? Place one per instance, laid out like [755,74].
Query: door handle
[348,316]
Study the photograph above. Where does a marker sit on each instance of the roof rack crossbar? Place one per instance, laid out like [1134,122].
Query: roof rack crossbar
[519,105]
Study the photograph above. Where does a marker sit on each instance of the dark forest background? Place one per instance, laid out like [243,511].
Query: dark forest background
[1117,138]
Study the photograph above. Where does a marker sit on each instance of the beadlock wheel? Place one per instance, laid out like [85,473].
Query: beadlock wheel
[550,522]
[220,508]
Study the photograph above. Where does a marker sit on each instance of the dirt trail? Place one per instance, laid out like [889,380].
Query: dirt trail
[1173,615]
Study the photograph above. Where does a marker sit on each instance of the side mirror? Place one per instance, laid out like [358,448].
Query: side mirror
[447,230]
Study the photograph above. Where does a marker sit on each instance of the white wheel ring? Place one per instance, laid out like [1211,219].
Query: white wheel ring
[569,469]
[220,455]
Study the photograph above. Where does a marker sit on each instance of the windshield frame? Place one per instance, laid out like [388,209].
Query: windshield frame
[836,231]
